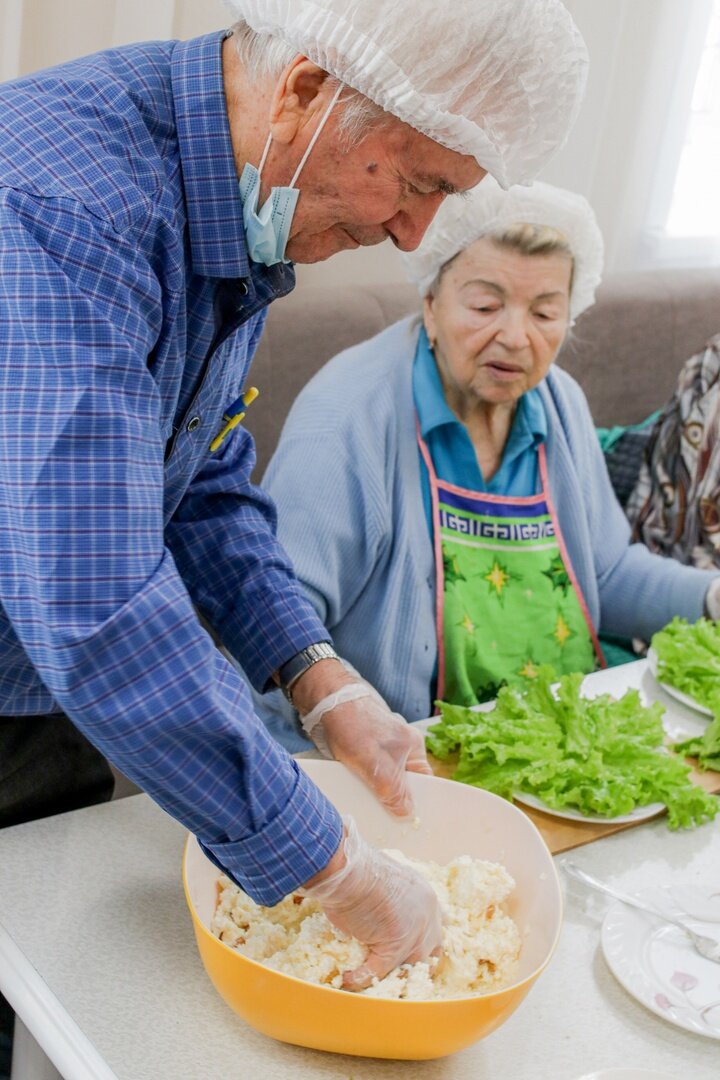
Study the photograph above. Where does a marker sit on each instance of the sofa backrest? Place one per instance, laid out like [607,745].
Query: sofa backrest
[625,351]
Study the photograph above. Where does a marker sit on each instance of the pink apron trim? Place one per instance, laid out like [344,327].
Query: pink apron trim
[439,578]
[565,556]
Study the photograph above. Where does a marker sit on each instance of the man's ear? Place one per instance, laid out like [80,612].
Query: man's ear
[301,91]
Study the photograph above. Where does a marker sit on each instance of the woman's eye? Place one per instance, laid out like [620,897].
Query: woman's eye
[485,309]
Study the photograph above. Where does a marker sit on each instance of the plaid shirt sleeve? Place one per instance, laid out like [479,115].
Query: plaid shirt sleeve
[92,594]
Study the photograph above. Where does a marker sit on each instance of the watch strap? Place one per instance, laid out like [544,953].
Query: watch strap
[297,665]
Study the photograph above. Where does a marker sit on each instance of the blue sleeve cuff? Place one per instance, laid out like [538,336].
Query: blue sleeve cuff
[288,851]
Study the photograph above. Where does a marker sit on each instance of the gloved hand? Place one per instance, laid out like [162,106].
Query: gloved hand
[386,906]
[354,725]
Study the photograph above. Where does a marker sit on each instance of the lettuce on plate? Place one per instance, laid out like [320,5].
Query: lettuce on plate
[600,756]
[688,658]
[705,747]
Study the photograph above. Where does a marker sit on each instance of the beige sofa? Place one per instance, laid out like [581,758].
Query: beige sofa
[625,351]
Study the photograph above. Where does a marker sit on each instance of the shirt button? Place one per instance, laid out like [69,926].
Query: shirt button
[243,288]
[193,424]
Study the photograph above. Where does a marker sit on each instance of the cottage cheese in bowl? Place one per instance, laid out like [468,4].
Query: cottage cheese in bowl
[481,942]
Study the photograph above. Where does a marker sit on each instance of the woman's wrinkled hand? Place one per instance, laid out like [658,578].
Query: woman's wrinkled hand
[712,600]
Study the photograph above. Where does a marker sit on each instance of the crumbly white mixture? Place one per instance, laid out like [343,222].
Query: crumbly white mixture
[481,942]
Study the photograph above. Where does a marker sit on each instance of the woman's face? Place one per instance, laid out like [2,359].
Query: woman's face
[497,321]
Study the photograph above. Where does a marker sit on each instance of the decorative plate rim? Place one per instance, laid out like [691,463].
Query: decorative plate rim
[626,934]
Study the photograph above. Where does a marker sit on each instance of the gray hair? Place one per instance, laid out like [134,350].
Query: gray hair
[265,56]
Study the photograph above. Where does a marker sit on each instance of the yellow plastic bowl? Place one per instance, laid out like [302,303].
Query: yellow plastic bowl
[454,820]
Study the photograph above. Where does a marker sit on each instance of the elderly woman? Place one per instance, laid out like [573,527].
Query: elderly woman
[441,489]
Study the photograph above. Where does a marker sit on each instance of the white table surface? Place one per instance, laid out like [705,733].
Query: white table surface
[97,953]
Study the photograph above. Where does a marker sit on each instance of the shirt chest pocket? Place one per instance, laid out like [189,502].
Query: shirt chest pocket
[195,430]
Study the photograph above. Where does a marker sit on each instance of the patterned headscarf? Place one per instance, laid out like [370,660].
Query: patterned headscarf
[675,507]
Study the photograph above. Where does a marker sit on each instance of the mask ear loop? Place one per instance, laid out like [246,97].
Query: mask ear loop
[312,142]
[316,136]
[265,153]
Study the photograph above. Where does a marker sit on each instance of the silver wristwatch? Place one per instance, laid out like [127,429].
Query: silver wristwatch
[290,672]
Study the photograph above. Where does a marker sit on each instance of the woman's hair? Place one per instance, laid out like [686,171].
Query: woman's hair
[531,239]
[263,55]
[527,239]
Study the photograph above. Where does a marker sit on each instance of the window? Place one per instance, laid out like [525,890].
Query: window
[683,225]
[695,205]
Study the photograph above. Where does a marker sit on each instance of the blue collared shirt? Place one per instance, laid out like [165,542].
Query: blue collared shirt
[129,314]
[451,450]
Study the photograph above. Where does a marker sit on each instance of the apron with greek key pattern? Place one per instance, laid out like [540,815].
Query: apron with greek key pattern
[507,599]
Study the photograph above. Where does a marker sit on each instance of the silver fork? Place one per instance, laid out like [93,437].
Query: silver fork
[706,946]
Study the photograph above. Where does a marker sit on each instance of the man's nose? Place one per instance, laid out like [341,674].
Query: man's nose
[408,226]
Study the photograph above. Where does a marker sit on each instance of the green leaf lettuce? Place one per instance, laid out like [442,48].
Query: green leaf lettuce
[688,658]
[599,756]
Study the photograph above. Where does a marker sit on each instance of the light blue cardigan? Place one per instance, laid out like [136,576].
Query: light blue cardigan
[346,480]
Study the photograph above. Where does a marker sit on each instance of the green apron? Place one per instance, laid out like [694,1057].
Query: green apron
[507,599]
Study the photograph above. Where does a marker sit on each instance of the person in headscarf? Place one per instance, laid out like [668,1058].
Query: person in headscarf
[151,200]
[457,527]
[674,507]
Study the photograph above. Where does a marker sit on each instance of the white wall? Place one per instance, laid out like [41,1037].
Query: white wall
[643,59]
[611,156]
[39,33]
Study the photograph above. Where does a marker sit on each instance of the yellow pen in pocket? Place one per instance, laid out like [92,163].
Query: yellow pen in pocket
[233,416]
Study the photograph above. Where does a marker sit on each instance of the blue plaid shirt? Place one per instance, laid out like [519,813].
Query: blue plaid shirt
[129,314]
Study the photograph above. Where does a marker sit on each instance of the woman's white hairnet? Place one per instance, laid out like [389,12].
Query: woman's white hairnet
[461,220]
[500,80]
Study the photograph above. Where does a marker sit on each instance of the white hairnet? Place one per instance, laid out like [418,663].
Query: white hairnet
[461,220]
[500,80]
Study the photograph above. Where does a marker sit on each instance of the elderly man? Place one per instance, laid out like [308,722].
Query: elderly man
[150,200]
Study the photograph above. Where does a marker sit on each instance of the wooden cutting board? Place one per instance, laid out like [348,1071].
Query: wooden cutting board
[562,835]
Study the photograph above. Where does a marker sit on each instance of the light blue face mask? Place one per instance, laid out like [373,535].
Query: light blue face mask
[267,230]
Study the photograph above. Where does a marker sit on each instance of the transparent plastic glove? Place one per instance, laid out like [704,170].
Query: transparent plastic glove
[354,725]
[386,906]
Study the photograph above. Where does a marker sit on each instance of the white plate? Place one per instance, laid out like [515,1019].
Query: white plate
[684,699]
[656,963]
[640,813]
